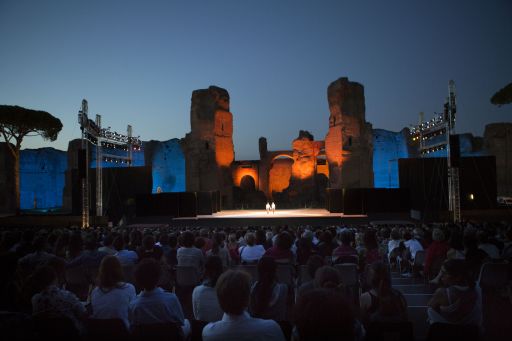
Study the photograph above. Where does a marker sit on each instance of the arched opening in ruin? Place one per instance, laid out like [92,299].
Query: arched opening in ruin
[247,183]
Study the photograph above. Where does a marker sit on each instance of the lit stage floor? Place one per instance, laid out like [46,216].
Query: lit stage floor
[284,213]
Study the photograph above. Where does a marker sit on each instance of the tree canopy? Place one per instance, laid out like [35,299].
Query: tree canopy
[503,96]
[17,122]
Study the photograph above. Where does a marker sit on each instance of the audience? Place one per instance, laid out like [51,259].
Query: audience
[460,301]
[233,292]
[112,296]
[251,253]
[204,298]
[153,304]
[268,297]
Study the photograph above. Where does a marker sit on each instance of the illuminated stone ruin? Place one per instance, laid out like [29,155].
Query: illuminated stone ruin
[208,148]
[348,143]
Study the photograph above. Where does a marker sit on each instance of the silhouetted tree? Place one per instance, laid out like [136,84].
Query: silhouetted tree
[503,96]
[16,123]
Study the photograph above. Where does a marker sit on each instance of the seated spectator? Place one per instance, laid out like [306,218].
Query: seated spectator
[219,249]
[371,252]
[314,263]
[111,298]
[153,304]
[268,297]
[327,277]
[412,245]
[455,251]
[382,303]
[394,245]
[233,247]
[233,291]
[149,248]
[460,302]
[188,255]
[474,256]
[107,246]
[327,245]
[485,245]
[204,298]
[125,256]
[281,250]
[51,301]
[345,250]
[251,253]
[323,314]
[90,256]
[28,263]
[435,254]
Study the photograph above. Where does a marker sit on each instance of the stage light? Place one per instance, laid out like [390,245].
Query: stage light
[471,196]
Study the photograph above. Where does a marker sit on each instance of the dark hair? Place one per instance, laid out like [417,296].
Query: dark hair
[212,270]
[261,238]
[370,239]
[458,268]
[327,277]
[118,243]
[395,234]
[43,277]
[108,239]
[90,242]
[199,242]
[322,314]
[284,241]
[148,242]
[262,292]
[346,237]
[147,273]
[314,263]
[390,301]
[233,290]
[218,242]
[187,239]
[110,272]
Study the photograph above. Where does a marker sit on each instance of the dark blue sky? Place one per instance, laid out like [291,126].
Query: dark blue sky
[137,62]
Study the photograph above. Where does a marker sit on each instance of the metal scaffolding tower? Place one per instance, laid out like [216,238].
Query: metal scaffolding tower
[103,139]
[430,135]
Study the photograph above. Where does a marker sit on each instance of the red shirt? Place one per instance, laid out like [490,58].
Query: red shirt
[436,251]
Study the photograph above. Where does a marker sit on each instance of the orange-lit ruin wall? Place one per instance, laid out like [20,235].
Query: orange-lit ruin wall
[280,174]
[224,149]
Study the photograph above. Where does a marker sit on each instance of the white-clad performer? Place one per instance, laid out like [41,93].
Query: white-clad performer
[273,208]
[267,206]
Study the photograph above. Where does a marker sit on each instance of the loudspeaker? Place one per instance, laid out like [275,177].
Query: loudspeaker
[334,202]
[187,204]
[82,163]
[455,150]
[205,203]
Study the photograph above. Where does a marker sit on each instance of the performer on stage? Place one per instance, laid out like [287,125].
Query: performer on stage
[267,207]
[273,208]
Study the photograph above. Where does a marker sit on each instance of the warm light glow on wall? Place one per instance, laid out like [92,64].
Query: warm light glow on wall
[279,175]
[240,172]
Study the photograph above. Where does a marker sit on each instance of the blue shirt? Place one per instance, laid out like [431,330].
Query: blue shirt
[242,327]
[155,306]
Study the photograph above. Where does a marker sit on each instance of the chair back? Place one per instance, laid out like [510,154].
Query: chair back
[128,273]
[105,329]
[347,259]
[55,328]
[77,281]
[157,331]
[448,331]
[390,331]
[419,259]
[494,275]
[303,276]
[252,270]
[197,326]
[285,274]
[187,276]
[348,272]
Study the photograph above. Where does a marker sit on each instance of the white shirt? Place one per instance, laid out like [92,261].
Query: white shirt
[205,304]
[414,246]
[113,303]
[242,327]
[127,257]
[251,253]
[190,256]
[156,306]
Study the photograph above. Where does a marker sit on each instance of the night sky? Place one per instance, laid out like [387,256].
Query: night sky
[137,62]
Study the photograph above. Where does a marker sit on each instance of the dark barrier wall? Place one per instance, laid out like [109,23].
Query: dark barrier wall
[120,189]
[428,182]
[178,204]
[367,200]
